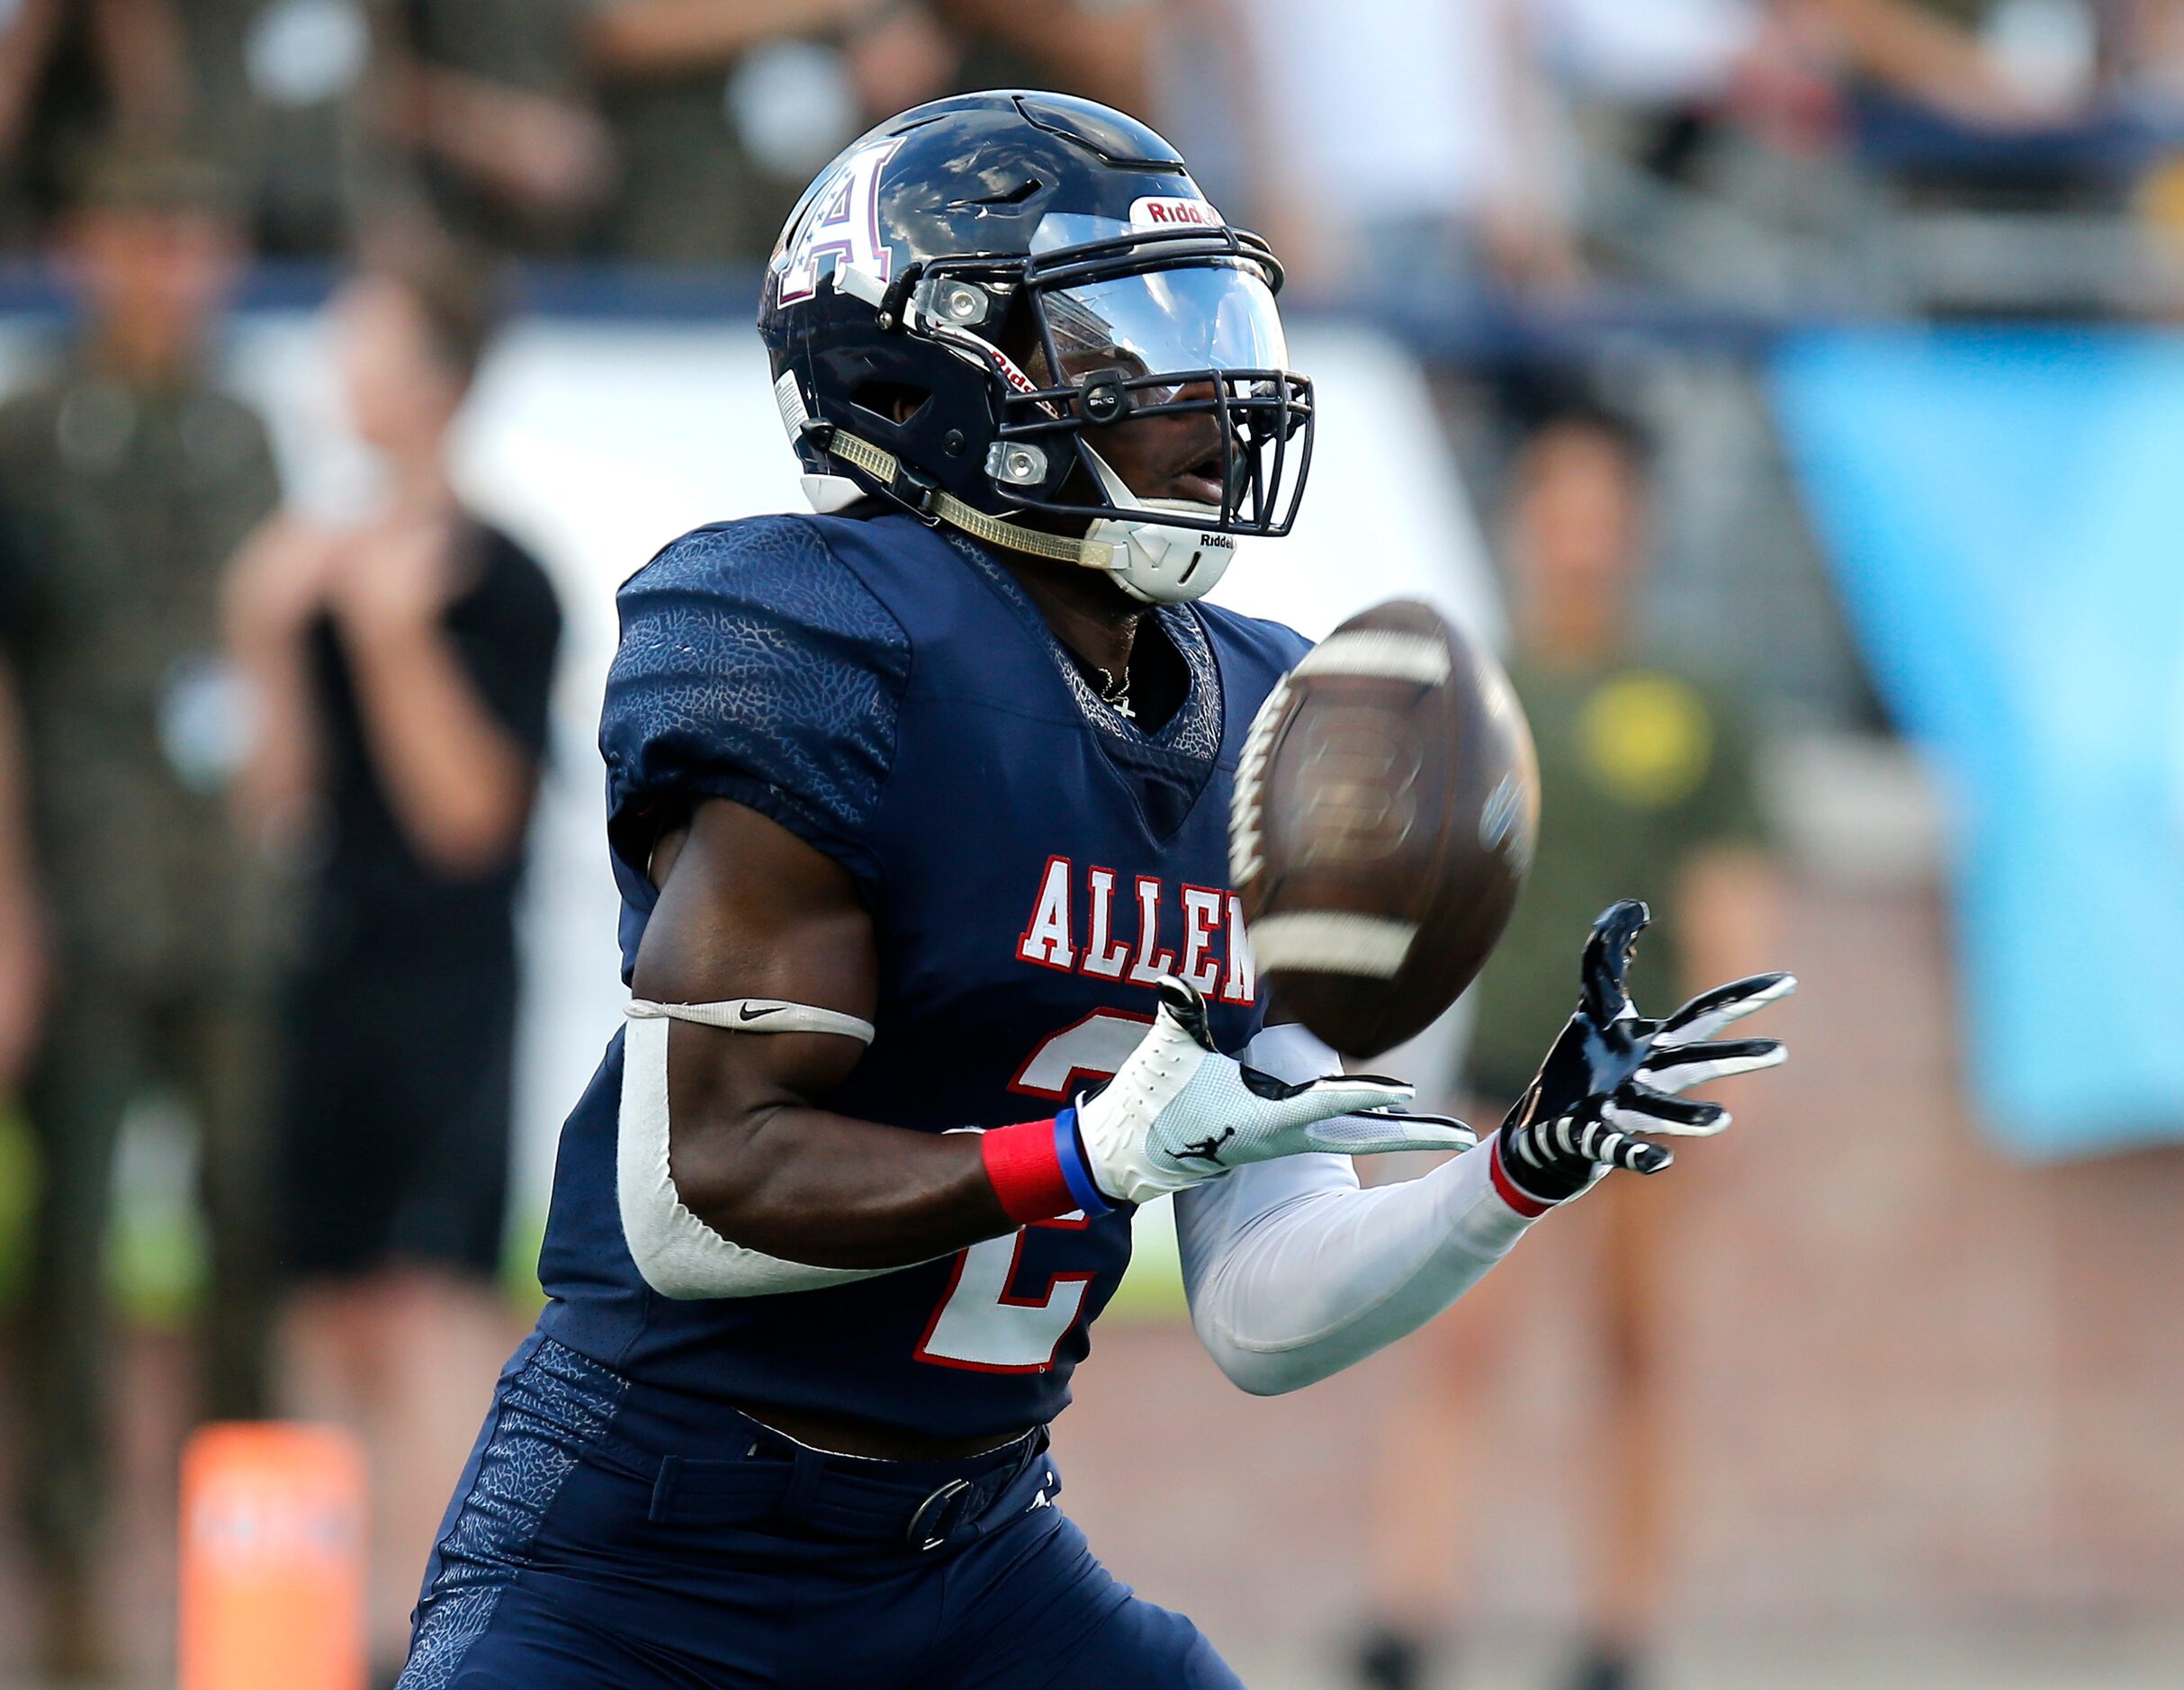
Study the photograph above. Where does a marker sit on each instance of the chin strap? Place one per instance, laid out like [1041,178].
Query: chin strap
[937,502]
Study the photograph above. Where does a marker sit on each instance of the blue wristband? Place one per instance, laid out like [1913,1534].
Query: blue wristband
[1076,1174]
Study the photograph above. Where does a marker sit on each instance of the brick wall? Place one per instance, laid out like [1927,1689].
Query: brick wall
[1913,1384]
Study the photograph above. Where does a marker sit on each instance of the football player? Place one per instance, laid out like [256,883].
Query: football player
[919,810]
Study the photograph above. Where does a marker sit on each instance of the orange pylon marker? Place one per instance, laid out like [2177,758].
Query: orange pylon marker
[273,1559]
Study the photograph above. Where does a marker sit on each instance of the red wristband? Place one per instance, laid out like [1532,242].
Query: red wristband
[1509,1191]
[1026,1172]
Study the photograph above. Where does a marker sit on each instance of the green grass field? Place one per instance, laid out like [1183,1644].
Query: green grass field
[156,1253]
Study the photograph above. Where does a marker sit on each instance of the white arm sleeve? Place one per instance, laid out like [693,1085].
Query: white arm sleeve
[1294,1272]
[677,1253]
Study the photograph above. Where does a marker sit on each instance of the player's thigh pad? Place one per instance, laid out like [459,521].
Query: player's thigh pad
[538,1640]
[1033,1609]
[502,1608]
[1140,1643]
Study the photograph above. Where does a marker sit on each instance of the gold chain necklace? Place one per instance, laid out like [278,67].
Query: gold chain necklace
[1115,692]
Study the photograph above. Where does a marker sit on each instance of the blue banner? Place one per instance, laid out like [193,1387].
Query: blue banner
[2005,514]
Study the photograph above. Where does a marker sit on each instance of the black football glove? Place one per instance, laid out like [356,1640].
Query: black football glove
[1613,1076]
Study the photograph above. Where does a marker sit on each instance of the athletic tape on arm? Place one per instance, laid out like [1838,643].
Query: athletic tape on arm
[677,1253]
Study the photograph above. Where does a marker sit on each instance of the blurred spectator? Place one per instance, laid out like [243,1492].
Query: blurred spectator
[1098,49]
[1646,789]
[1932,51]
[401,670]
[1938,55]
[1782,63]
[723,109]
[23,958]
[720,110]
[73,73]
[487,99]
[1409,152]
[477,110]
[1422,155]
[281,88]
[131,478]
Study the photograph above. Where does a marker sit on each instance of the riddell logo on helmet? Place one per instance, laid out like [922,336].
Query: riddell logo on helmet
[1160,211]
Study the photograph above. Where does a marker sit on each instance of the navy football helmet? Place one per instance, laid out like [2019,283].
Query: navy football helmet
[967,299]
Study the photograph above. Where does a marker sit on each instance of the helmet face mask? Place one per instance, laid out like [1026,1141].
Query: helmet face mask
[1089,347]
[1141,334]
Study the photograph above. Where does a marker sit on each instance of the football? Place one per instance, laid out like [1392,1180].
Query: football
[1382,823]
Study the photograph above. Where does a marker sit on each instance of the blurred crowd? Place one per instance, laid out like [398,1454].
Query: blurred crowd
[673,131]
[264,787]
[1733,150]
[264,783]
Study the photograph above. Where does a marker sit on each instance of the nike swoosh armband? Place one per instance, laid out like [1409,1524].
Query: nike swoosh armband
[1038,1170]
[754,1015]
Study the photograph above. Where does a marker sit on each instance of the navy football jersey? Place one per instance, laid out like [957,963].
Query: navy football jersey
[1033,862]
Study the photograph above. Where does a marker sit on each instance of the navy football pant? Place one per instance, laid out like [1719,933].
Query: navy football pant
[575,1553]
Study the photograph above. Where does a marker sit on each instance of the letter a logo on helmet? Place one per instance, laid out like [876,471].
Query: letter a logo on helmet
[841,222]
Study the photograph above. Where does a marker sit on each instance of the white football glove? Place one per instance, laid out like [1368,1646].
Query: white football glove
[1178,1112]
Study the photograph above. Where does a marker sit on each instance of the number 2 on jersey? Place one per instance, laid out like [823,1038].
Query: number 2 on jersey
[981,1324]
